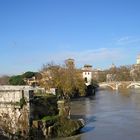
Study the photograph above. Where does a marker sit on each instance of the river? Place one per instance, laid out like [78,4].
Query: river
[110,115]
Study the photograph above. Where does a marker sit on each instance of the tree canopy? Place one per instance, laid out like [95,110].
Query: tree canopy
[67,79]
[28,74]
[16,80]
[20,79]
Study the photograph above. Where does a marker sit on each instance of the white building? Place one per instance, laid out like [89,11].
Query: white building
[138,59]
[87,74]
[136,66]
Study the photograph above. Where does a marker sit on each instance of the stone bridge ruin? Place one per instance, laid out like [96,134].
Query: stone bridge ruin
[15,109]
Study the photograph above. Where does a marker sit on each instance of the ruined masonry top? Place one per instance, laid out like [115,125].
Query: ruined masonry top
[12,94]
[9,87]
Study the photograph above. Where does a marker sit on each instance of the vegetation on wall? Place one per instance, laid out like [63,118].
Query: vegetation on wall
[21,103]
[44,106]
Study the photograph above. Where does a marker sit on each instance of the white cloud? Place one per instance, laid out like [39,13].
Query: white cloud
[93,56]
[126,40]
[99,58]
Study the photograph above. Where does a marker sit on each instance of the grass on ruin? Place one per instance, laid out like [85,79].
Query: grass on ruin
[50,118]
[44,94]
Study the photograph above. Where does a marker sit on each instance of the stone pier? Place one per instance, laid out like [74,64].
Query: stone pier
[15,109]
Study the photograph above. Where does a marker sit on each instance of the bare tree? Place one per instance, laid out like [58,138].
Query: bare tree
[4,80]
[66,79]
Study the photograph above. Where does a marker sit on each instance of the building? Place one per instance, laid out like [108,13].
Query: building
[96,74]
[87,74]
[31,81]
[138,60]
[70,63]
[137,65]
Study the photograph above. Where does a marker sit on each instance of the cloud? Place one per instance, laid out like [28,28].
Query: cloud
[99,58]
[126,40]
[92,56]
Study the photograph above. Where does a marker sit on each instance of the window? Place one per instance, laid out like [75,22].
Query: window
[86,79]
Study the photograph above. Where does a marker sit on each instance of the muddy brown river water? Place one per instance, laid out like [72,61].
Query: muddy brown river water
[110,115]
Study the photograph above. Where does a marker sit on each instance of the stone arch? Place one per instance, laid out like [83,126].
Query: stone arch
[107,85]
[119,85]
[133,84]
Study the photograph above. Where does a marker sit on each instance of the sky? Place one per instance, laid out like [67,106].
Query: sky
[96,32]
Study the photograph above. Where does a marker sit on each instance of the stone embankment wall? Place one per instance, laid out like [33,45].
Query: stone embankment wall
[15,109]
[25,115]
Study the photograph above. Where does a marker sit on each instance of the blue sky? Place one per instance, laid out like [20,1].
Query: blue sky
[96,32]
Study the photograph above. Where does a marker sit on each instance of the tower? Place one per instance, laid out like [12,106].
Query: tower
[138,60]
[87,74]
[70,63]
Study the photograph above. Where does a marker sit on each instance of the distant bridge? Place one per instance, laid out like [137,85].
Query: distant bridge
[119,85]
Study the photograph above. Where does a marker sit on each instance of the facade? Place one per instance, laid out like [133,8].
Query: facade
[87,74]
[15,109]
[90,74]
[96,74]
[31,81]
[137,65]
[70,63]
[134,72]
[138,60]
